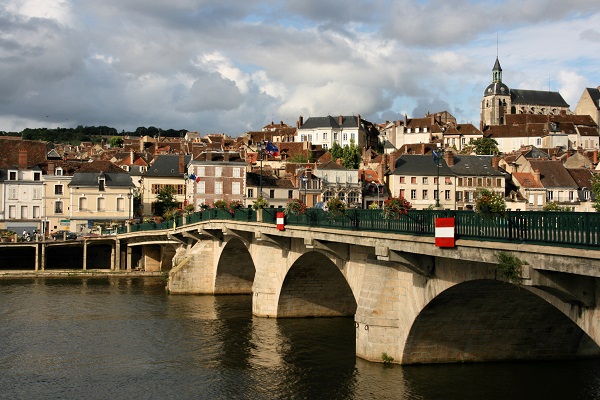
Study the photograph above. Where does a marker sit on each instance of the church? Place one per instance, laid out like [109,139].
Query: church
[498,101]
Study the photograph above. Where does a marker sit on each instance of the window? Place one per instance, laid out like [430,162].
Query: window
[353,136]
[120,204]
[101,204]
[586,195]
[12,211]
[290,194]
[24,212]
[448,181]
[413,194]
[218,187]
[435,195]
[101,184]
[218,171]
[402,179]
[425,195]
[344,137]
[458,196]
[235,188]
[402,192]
[324,135]
[250,193]
[37,176]
[499,182]
[571,195]
[12,176]
[58,190]
[310,137]
[324,145]
[469,182]
[335,135]
[200,187]
[413,180]
[272,194]
[460,181]
[58,207]
[425,181]
[83,205]
[539,141]
[236,172]
[447,195]
[200,171]
[37,193]
[531,199]
[12,193]
[180,189]
[36,212]
[58,171]
[549,195]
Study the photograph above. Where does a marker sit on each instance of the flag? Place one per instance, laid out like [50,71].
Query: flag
[271,149]
[192,177]
[197,179]
[436,156]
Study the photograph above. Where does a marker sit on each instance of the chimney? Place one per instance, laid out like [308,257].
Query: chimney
[226,156]
[423,148]
[595,159]
[338,161]
[495,162]
[22,158]
[131,156]
[340,120]
[405,120]
[359,120]
[208,155]
[432,119]
[300,121]
[449,156]
[181,163]
[51,168]
[536,176]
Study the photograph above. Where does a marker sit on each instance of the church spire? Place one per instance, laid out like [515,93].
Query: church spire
[497,72]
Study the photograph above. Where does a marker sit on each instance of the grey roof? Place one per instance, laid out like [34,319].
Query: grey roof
[167,165]
[594,95]
[474,166]
[537,97]
[330,122]
[496,88]
[419,165]
[111,179]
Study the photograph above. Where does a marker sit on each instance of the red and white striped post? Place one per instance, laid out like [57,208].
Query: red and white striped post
[444,232]
[280,221]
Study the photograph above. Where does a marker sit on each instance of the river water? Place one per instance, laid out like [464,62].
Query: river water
[125,338]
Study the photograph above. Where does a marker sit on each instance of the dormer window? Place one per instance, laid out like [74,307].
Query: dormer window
[37,176]
[58,171]
[12,175]
[101,182]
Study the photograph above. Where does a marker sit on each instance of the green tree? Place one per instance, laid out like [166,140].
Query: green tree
[351,155]
[115,141]
[596,191]
[165,200]
[485,146]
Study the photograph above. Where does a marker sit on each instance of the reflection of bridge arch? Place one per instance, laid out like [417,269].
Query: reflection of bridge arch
[484,320]
[235,269]
[315,287]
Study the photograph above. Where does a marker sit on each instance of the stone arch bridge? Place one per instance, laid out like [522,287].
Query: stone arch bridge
[410,299]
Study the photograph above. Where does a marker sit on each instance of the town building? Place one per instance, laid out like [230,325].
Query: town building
[589,104]
[164,170]
[343,130]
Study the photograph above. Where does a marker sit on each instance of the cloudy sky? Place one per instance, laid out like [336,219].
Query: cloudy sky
[233,66]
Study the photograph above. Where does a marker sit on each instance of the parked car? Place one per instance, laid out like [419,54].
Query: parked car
[59,235]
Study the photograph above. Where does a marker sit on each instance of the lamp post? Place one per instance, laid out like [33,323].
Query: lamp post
[130,213]
[304,179]
[260,146]
[438,158]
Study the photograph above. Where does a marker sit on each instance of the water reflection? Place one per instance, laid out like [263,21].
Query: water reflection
[126,338]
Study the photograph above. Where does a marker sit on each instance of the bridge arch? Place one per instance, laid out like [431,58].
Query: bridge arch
[315,287]
[489,320]
[235,269]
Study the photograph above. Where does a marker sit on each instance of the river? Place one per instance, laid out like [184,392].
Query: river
[125,338]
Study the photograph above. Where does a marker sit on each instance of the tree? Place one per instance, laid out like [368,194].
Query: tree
[596,191]
[350,155]
[165,200]
[115,141]
[485,146]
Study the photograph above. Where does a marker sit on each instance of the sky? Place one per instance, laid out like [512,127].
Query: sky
[233,66]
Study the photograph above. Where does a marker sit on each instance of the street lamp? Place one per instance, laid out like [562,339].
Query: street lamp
[260,147]
[129,196]
[438,159]
[304,179]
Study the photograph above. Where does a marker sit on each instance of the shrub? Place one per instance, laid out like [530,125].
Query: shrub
[336,207]
[295,207]
[259,203]
[221,204]
[395,207]
[489,202]
[235,205]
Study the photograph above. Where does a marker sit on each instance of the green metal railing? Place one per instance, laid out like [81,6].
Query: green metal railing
[568,229]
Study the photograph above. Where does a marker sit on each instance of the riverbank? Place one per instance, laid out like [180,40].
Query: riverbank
[76,273]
